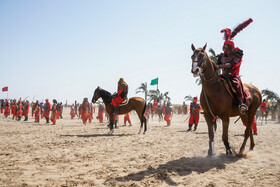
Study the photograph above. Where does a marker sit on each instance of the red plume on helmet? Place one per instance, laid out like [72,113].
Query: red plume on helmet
[228,35]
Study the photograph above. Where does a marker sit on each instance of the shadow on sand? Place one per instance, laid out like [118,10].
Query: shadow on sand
[183,167]
[96,135]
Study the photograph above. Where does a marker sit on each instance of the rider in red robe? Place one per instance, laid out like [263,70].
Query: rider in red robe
[194,114]
[120,96]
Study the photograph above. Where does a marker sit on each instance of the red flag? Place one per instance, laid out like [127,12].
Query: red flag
[5,89]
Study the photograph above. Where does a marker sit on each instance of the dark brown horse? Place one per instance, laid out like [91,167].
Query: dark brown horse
[218,103]
[135,103]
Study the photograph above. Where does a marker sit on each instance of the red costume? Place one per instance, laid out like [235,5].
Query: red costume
[72,111]
[100,114]
[122,93]
[194,114]
[167,111]
[37,112]
[19,111]
[85,110]
[231,61]
[127,119]
[155,105]
[7,109]
[263,106]
[26,110]
[90,113]
[47,110]
[53,112]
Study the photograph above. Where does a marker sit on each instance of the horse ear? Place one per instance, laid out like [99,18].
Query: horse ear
[204,47]
[193,48]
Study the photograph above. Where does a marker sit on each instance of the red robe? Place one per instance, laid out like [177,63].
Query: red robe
[72,112]
[47,110]
[37,112]
[7,109]
[100,114]
[127,118]
[263,106]
[84,112]
[194,112]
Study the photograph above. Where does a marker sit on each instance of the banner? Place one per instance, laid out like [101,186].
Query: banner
[5,89]
[154,81]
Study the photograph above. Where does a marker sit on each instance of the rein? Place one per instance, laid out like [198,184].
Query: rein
[204,80]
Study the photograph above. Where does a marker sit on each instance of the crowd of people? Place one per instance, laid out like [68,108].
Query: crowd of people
[19,110]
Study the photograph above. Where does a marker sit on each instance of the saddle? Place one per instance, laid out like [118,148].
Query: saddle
[232,91]
[228,86]
[124,102]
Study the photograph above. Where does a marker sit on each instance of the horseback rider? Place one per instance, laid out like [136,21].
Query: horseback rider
[120,96]
[230,61]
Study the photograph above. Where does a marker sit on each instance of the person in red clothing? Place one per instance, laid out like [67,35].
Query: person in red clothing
[14,109]
[26,107]
[72,111]
[194,114]
[85,110]
[254,126]
[230,61]
[167,114]
[127,119]
[53,112]
[120,96]
[155,105]
[100,113]
[37,111]
[47,109]
[90,113]
[19,111]
[263,106]
[7,109]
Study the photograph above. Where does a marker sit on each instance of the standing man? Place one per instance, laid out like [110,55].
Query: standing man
[47,109]
[26,110]
[167,111]
[53,114]
[100,113]
[37,111]
[194,112]
[85,110]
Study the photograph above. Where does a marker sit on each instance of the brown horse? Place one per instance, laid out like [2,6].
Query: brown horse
[135,103]
[218,103]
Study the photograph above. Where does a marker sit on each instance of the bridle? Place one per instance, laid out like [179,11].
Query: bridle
[201,69]
[201,65]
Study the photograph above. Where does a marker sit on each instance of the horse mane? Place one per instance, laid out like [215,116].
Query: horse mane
[107,96]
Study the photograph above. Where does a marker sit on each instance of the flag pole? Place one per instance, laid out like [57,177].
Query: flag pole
[157,85]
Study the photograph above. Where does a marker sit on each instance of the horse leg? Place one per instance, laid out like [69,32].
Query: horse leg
[211,150]
[111,124]
[225,121]
[247,120]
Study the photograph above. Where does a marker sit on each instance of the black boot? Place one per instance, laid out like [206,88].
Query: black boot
[242,107]
[195,126]
[47,120]
[190,127]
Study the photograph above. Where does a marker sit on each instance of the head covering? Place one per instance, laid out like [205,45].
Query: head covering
[54,101]
[228,35]
[195,99]
[47,100]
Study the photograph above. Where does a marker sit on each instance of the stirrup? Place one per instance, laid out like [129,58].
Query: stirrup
[242,108]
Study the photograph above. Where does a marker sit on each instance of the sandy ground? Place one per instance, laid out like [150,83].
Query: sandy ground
[71,154]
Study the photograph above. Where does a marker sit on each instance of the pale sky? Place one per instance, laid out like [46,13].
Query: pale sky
[65,49]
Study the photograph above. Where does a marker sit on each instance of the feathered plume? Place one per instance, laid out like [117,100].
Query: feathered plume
[241,27]
[227,33]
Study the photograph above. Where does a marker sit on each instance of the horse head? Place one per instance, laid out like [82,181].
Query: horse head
[96,95]
[198,60]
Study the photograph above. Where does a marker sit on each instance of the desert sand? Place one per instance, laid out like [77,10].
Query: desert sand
[72,154]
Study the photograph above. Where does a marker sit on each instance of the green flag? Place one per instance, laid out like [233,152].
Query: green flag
[154,81]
